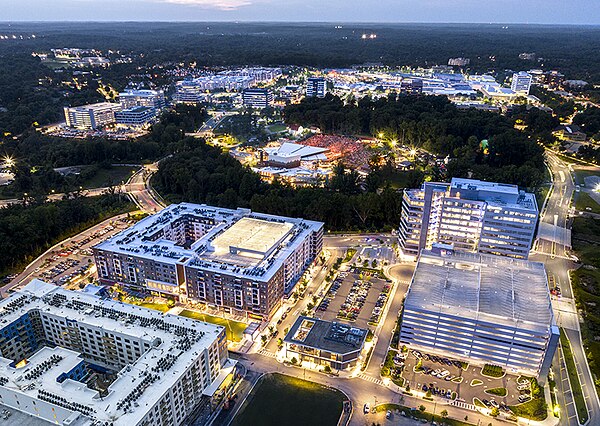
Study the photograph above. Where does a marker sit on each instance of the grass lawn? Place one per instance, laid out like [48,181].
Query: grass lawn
[156,306]
[583,201]
[576,390]
[235,329]
[580,175]
[103,177]
[276,128]
[278,399]
[534,409]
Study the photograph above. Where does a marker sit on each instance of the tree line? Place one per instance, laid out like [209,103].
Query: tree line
[26,231]
[434,124]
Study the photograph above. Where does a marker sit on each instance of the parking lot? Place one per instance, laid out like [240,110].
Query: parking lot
[443,376]
[357,297]
[70,263]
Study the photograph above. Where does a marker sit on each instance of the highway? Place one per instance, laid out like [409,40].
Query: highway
[553,248]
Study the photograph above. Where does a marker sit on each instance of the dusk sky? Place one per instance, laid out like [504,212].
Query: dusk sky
[485,11]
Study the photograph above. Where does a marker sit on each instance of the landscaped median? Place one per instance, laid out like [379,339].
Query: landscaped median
[441,417]
[576,390]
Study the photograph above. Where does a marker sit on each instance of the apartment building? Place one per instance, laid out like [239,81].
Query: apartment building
[471,215]
[235,260]
[483,309]
[74,358]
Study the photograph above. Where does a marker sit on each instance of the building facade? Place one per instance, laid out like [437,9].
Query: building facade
[469,214]
[521,83]
[89,117]
[257,98]
[235,260]
[316,87]
[73,358]
[145,98]
[138,116]
[483,309]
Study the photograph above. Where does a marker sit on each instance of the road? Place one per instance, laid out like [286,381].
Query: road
[552,247]
[137,187]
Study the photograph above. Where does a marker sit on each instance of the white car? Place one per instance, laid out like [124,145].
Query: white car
[367,408]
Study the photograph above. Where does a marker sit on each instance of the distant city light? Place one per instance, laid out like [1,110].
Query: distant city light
[369,36]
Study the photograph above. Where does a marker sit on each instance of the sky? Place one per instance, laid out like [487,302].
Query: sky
[462,11]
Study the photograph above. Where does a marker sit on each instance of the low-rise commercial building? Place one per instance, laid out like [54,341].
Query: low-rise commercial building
[324,343]
[472,215]
[482,309]
[72,358]
[235,260]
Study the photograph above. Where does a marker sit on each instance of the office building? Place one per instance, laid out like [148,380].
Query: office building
[482,309]
[91,117]
[257,98]
[145,98]
[138,116]
[316,87]
[235,260]
[459,62]
[521,83]
[411,86]
[324,343]
[73,358]
[471,215]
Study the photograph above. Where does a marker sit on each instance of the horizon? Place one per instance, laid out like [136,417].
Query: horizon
[535,12]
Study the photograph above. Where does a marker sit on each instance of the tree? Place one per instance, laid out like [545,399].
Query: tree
[422,408]
[327,369]
[495,412]
[294,361]
[264,339]
[444,413]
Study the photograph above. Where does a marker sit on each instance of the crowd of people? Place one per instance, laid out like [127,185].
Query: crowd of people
[351,151]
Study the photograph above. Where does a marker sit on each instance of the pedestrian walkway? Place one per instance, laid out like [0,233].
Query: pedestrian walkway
[464,405]
[267,353]
[370,379]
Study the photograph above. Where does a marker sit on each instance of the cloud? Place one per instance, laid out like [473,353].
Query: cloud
[212,4]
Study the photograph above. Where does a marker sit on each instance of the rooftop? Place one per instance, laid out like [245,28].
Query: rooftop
[325,335]
[175,343]
[488,288]
[238,241]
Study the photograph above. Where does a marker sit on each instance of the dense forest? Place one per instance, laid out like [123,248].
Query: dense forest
[204,174]
[436,125]
[26,231]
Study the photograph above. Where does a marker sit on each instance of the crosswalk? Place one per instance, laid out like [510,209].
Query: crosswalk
[265,352]
[464,405]
[370,379]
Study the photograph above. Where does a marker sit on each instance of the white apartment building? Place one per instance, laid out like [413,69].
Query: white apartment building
[76,359]
[483,309]
[471,215]
[91,116]
[521,83]
[237,261]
